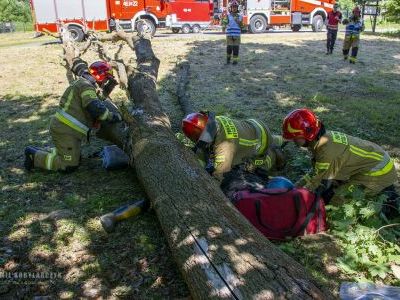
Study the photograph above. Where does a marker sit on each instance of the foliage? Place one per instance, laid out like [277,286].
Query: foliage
[346,5]
[392,10]
[368,247]
[14,11]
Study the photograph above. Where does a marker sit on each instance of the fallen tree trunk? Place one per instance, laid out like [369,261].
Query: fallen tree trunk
[219,253]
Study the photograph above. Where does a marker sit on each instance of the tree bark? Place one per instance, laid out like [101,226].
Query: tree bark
[219,253]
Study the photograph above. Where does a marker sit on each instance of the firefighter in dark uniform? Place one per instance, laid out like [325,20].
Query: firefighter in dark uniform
[340,158]
[83,108]
[223,143]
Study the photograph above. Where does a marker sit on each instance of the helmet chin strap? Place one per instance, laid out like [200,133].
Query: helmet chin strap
[207,136]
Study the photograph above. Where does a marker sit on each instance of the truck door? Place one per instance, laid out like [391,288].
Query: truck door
[125,9]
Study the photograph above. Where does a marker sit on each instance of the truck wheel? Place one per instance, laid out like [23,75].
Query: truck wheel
[196,28]
[145,25]
[186,28]
[296,27]
[76,32]
[317,23]
[175,30]
[258,24]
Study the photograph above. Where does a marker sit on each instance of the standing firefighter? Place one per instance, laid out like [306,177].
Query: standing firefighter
[222,143]
[82,108]
[339,159]
[354,26]
[232,24]
[332,25]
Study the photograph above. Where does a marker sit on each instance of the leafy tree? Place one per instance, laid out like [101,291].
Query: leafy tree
[392,10]
[346,5]
[14,10]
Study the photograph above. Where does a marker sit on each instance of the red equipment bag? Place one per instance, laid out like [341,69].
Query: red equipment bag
[279,213]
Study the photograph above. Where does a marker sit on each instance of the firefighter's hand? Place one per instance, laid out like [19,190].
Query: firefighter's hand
[115,117]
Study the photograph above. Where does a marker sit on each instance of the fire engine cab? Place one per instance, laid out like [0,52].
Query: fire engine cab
[259,15]
[83,15]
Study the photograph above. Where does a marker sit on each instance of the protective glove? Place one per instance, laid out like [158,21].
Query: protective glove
[108,86]
[114,117]
[79,66]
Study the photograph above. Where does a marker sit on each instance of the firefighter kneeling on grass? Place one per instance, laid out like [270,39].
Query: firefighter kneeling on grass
[354,26]
[82,108]
[232,24]
[341,159]
[222,143]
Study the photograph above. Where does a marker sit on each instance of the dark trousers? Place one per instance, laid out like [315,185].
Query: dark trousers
[232,50]
[331,39]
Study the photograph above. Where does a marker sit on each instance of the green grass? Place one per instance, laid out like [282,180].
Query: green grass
[22,38]
[277,72]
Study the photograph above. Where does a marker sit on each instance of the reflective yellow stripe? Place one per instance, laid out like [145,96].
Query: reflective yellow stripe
[322,166]
[263,137]
[258,162]
[268,162]
[366,154]
[229,127]
[248,143]
[69,99]
[219,158]
[69,123]
[339,138]
[201,162]
[89,93]
[386,169]
[50,158]
[104,116]
[277,140]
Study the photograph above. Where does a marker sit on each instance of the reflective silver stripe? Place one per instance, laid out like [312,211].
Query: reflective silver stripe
[261,136]
[382,164]
[74,121]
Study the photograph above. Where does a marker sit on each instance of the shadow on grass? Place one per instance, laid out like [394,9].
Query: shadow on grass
[49,221]
[271,80]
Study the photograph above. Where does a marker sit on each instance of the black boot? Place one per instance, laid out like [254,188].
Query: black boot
[29,157]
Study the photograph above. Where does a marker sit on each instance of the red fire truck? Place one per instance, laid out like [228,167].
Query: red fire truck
[259,15]
[83,15]
[189,15]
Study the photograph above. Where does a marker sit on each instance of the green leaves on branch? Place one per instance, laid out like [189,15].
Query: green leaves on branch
[368,248]
[392,10]
[14,11]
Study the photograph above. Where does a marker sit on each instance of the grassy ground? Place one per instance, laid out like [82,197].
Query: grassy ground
[49,222]
[21,38]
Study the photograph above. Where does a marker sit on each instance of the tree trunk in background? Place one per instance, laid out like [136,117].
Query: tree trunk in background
[218,252]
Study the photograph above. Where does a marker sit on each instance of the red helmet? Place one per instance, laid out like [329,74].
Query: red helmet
[101,71]
[301,123]
[194,124]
